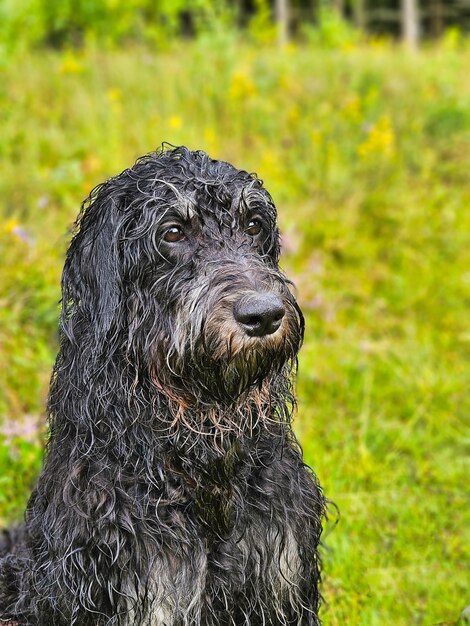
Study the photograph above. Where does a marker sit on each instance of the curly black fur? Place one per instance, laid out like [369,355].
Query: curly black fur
[173,491]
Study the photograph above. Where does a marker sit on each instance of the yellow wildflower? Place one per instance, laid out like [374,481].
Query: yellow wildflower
[210,138]
[71,65]
[316,137]
[293,114]
[10,226]
[291,48]
[269,164]
[352,108]
[379,43]
[380,140]
[348,47]
[114,94]
[13,228]
[241,86]
[91,163]
[371,97]
[175,122]
[290,85]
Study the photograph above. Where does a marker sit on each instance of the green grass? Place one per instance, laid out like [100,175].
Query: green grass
[366,154]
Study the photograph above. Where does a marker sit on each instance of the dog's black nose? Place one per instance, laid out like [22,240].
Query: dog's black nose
[259,314]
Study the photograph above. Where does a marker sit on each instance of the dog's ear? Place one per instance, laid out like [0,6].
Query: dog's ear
[91,286]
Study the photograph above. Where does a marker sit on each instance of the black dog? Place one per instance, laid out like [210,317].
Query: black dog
[173,491]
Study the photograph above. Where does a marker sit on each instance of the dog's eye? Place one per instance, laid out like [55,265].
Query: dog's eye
[253,228]
[174,234]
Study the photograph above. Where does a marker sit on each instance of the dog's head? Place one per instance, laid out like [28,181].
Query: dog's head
[175,267]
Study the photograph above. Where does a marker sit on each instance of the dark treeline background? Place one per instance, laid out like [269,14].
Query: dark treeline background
[385,17]
[59,23]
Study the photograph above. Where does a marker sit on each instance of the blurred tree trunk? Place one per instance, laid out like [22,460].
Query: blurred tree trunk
[410,23]
[313,6]
[282,19]
[338,6]
[437,18]
[359,12]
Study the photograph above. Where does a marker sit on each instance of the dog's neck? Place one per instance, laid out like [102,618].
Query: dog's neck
[218,426]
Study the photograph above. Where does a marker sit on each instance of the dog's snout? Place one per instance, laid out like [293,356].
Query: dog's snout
[259,314]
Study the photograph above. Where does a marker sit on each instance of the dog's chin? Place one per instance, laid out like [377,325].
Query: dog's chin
[231,377]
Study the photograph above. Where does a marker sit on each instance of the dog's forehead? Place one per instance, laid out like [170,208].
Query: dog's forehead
[219,200]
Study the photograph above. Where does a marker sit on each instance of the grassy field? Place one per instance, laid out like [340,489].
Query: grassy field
[366,152]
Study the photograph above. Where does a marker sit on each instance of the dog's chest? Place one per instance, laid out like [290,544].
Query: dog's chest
[264,559]
[236,539]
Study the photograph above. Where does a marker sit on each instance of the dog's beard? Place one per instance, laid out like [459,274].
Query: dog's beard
[222,369]
[227,378]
